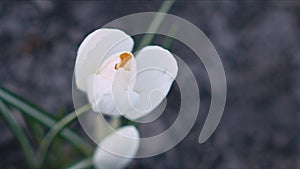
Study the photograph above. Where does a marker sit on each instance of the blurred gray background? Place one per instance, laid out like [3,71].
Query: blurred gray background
[258,43]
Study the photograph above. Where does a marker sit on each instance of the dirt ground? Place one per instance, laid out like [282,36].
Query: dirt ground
[258,43]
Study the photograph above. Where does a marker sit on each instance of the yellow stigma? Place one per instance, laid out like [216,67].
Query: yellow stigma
[125,57]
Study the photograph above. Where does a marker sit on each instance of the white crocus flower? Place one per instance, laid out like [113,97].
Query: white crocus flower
[118,83]
[117,150]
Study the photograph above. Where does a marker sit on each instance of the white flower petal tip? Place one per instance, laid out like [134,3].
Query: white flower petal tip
[95,48]
[157,57]
[117,150]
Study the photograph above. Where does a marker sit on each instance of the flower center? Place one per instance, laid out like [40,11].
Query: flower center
[124,58]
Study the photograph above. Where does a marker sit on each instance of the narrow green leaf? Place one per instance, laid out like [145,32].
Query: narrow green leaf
[43,149]
[147,39]
[44,118]
[35,128]
[18,132]
[168,40]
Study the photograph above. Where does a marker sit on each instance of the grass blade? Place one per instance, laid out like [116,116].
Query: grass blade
[168,40]
[44,118]
[43,149]
[147,39]
[18,132]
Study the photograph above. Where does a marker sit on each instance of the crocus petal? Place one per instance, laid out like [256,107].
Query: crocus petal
[157,68]
[108,105]
[95,48]
[156,71]
[97,86]
[117,150]
[100,85]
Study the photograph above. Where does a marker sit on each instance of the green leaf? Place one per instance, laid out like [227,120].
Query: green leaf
[147,39]
[18,132]
[36,129]
[168,40]
[44,118]
[43,149]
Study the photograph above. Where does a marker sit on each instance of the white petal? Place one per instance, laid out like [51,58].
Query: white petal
[95,48]
[157,57]
[157,69]
[97,86]
[123,102]
[121,99]
[100,85]
[117,150]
